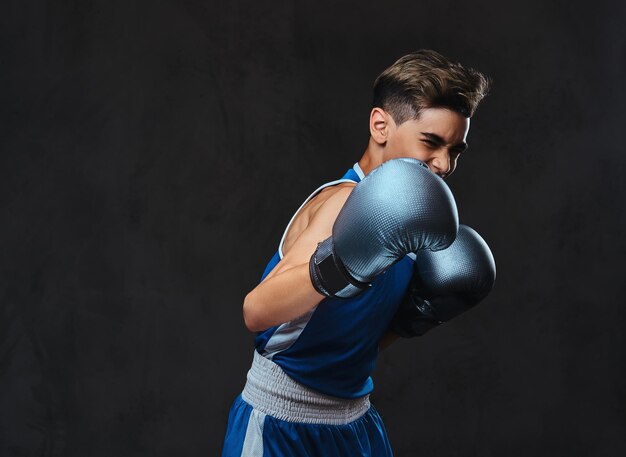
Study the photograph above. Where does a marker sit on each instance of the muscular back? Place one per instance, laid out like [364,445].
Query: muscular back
[312,224]
[287,292]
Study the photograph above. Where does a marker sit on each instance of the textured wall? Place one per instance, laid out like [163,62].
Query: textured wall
[152,152]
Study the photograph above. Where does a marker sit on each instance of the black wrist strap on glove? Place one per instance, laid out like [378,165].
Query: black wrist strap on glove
[415,316]
[329,276]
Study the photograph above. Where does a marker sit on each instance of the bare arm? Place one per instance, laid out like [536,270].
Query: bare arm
[287,292]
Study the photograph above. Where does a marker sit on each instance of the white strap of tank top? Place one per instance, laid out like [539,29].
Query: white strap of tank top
[356,167]
[271,391]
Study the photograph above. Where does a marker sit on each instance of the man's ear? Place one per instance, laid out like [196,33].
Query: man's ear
[380,123]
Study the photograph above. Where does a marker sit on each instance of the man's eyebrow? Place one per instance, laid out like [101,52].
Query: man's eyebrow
[437,139]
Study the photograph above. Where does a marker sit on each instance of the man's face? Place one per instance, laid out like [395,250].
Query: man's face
[437,138]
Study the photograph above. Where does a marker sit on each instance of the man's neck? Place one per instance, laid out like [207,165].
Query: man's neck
[368,161]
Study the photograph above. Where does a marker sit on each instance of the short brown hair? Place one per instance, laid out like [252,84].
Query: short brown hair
[426,79]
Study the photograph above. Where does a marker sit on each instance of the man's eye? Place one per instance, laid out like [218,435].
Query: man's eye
[430,143]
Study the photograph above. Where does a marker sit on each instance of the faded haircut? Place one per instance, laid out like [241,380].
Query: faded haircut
[426,79]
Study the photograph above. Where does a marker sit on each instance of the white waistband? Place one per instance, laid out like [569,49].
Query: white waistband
[271,391]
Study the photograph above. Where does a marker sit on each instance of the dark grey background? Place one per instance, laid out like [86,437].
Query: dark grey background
[152,153]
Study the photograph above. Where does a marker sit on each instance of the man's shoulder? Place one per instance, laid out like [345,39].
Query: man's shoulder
[342,187]
[330,196]
[319,212]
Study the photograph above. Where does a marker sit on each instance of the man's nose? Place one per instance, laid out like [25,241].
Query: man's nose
[440,164]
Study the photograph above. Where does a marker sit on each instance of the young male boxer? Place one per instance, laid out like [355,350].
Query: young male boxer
[375,254]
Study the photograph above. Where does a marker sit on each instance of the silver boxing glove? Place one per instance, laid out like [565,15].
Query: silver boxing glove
[445,284]
[399,207]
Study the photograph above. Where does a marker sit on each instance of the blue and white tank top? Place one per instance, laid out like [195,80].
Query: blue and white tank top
[333,348]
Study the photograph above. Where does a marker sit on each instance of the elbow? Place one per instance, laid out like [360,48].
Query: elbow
[250,315]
